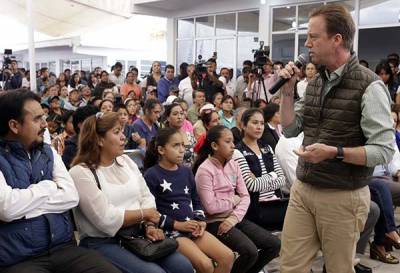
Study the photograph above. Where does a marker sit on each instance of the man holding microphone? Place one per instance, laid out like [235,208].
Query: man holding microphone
[346,120]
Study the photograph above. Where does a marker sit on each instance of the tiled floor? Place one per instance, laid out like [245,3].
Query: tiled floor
[377,266]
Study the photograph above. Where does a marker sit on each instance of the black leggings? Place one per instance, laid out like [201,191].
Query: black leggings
[256,246]
[271,214]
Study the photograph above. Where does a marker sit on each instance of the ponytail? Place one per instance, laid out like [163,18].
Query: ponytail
[206,150]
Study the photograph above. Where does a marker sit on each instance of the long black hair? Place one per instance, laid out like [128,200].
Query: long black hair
[212,136]
[163,136]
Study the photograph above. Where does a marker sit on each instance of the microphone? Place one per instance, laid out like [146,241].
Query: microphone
[301,60]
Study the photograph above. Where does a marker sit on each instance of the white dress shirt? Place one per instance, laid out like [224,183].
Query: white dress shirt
[47,196]
[186,90]
[101,212]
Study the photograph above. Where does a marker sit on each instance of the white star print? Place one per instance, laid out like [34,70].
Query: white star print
[175,206]
[166,186]
[187,219]
[186,189]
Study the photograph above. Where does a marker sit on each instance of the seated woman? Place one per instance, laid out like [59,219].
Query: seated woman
[121,199]
[133,139]
[386,233]
[174,118]
[147,125]
[106,105]
[183,218]
[225,199]
[226,113]
[272,129]
[261,173]
[133,107]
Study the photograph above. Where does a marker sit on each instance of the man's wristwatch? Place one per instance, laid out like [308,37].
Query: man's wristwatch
[340,153]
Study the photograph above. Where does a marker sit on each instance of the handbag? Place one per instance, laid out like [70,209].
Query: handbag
[133,239]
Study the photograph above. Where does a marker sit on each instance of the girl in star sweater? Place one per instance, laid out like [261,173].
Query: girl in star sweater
[174,189]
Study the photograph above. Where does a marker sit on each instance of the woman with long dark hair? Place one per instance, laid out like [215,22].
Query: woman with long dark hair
[225,199]
[262,174]
[173,186]
[120,199]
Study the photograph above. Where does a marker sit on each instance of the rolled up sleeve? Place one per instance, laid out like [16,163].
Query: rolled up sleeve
[377,124]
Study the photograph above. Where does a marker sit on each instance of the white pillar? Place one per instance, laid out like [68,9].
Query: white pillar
[171,42]
[31,43]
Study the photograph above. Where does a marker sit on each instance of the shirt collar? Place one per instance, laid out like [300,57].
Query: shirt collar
[335,74]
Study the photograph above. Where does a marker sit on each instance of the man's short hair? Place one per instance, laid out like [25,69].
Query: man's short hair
[12,107]
[43,69]
[246,69]
[197,91]
[248,63]
[118,65]
[169,66]
[338,20]
[81,114]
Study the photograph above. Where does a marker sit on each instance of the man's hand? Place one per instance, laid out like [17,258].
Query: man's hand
[224,227]
[200,229]
[291,71]
[188,226]
[316,153]
[154,234]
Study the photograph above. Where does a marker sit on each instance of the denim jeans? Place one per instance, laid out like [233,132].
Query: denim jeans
[127,262]
[380,194]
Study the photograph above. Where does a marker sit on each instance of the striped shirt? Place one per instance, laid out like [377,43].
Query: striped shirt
[267,183]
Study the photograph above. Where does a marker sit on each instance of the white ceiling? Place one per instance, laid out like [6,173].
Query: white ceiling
[68,17]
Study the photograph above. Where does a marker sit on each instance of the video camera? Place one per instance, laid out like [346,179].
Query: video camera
[201,69]
[261,57]
[7,58]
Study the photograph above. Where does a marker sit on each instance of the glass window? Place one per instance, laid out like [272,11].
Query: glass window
[304,10]
[248,22]
[184,51]
[283,47]
[52,67]
[379,12]
[186,28]
[205,26]
[75,65]
[131,64]
[44,65]
[226,53]
[284,18]
[97,62]
[87,65]
[37,66]
[226,24]
[302,47]
[376,43]
[205,48]
[245,47]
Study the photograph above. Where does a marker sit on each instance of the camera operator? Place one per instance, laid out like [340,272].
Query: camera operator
[269,79]
[211,83]
[11,76]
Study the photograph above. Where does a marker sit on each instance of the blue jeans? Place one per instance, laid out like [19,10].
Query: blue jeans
[380,194]
[127,262]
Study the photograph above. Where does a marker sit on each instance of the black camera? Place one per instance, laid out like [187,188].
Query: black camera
[200,66]
[261,57]
[7,58]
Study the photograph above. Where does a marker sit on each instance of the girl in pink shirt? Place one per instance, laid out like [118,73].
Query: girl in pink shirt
[225,199]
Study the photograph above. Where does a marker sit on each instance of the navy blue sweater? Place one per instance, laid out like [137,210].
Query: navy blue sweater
[175,194]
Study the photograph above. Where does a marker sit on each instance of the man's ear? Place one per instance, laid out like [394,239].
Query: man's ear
[14,126]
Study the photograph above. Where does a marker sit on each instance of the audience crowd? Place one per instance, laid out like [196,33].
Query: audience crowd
[202,160]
